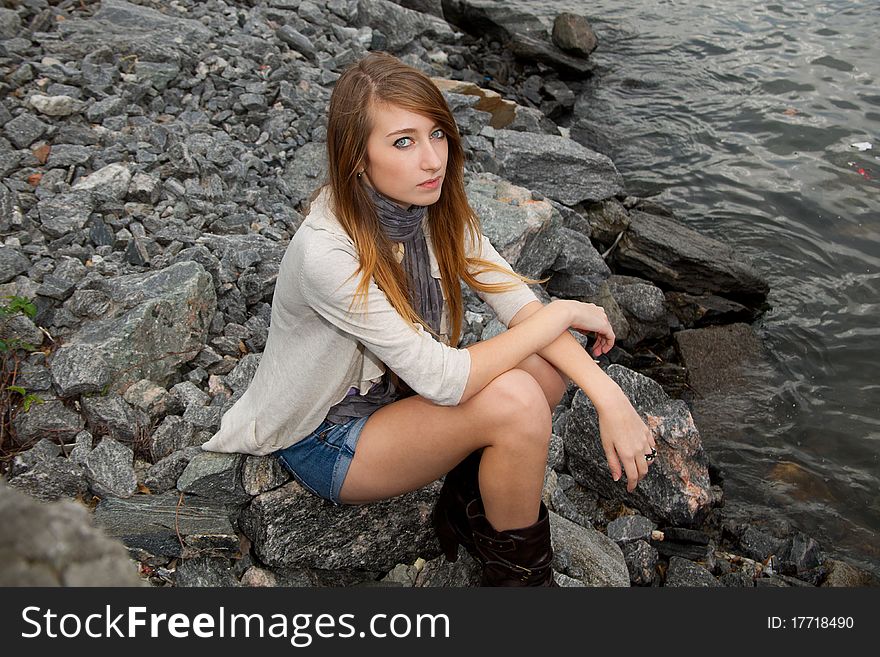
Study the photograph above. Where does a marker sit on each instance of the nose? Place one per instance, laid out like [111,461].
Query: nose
[431,157]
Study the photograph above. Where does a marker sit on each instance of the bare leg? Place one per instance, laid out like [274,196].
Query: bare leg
[413,442]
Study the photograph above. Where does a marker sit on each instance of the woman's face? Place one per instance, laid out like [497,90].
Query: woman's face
[405,150]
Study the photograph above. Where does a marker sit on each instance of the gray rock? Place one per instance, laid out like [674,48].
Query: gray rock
[10,23]
[109,183]
[738,580]
[112,415]
[65,213]
[305,172]
[297,41]
[12,263]
[557,167]
[107,107]
[144,188]
[57,545]
[644,307]
[262,473]
[240,377]
[169,524]
[677,488]
[82,448]
[56,287]
[163,475]
[573,34]
[641,562]
[720,359]
[626,529]
[530,119]
[78,370]
[589,556]
[438,572]
[654,243]
[148,397]
[205,572]
[44,450]
[516,226]
[20,328]
[799,553]
[56,105]
[684,573]
[109,469]
[190,395]
[283,522]
[158,321]
[400,26]
[214,475]
[49,418]
[24,130]
[158,74]
[52,479]
[172,435]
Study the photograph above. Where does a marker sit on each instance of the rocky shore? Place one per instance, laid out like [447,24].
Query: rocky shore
[156,158]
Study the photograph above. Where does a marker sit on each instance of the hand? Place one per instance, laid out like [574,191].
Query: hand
[626,440]
[589,318]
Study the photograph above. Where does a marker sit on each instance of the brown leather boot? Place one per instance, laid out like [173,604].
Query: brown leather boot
[460,487]
[516,557]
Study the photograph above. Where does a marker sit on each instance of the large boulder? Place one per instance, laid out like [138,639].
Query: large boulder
[676,490]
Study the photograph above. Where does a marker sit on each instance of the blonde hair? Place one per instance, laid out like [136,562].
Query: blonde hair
[382,78]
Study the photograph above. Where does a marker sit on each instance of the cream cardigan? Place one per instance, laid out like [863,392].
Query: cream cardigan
[316,349]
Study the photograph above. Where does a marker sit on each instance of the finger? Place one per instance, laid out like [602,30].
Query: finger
[651,440]
[613,463]
[632,474]
[642,465]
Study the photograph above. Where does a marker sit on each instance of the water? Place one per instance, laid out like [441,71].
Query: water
[740,116]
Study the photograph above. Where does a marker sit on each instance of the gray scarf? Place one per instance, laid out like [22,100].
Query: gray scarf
[426,295]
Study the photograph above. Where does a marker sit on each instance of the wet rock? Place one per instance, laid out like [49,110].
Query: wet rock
[677,487]
[702,265]
[573,34]
[799,553]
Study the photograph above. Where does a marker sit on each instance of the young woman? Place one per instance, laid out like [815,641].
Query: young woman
[361,391]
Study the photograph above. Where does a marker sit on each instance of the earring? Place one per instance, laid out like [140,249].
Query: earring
[360,173]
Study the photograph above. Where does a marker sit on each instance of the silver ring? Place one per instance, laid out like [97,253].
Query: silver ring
[650,457]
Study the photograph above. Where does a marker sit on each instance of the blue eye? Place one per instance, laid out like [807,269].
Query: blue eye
[397,143]
[438,132]
[442,134]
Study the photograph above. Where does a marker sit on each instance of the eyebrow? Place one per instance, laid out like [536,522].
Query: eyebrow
[403,130]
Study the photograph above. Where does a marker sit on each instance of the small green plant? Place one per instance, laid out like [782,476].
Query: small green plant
[13,396]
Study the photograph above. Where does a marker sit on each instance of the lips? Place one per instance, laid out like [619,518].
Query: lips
[428,182]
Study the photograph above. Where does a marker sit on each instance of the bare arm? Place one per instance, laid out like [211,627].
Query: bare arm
[491,358]
[570,359]
[625,437]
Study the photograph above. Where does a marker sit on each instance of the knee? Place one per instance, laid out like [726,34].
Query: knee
[521,405]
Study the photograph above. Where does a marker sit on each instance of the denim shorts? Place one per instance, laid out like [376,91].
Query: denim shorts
[320,461]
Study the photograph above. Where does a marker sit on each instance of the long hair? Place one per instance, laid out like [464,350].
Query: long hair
[382,78]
